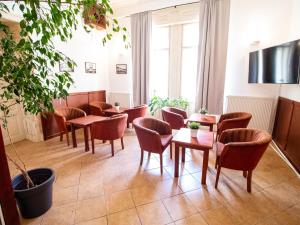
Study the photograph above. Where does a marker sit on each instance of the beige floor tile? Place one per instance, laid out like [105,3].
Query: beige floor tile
[179,207]
[68,179]
[167,188]
[99,221]
[144,195]
[119,201]
[126,217]
[154,175]
[219,216]
[63,215]
[170,170]
[153,214]
[63,196]
[188,183]
[35,221]
[193,167]
[196,219]
[203,199]
[90,190]
[90,209]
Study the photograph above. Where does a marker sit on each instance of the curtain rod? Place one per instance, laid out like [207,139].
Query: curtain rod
[174,6]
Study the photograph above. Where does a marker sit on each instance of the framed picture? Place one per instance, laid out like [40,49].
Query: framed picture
[90,67]
[121,69]
[63,67]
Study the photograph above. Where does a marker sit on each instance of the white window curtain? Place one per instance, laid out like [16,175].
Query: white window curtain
[213,38]
[141,26]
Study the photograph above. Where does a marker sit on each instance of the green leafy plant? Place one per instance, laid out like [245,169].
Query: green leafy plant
[158,103]
[117,103]
[194,125]
[203,111]
[28,74]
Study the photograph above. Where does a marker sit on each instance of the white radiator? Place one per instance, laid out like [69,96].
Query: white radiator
[262,110]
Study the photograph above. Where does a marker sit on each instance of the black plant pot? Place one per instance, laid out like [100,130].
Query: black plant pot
[34,201]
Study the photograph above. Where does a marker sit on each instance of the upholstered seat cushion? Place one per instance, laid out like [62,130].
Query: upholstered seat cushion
[220,147]
[166,139]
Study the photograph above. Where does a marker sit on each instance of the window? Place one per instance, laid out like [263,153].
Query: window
[159,69]
[189,61]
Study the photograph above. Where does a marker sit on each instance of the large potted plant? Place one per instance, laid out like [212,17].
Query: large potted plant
[28,77]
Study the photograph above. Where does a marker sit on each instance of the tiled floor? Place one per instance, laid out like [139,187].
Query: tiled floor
[100,189]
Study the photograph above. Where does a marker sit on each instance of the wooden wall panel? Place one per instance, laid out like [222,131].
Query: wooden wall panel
[97,96]
[282,122]
[79,100]
[7,199]
[292,150]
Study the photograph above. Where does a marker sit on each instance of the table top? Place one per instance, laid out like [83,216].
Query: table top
[86,120]
[204,119]
[203,141]
[115,111]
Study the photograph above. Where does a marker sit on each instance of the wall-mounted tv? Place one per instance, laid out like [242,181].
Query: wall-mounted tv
[279,64]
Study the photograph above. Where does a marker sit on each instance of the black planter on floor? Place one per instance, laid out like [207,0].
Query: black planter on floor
[34,201]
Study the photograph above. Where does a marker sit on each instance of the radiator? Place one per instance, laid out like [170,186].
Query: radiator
[262,110]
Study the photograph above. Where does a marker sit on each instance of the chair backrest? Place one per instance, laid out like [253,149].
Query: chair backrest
[174,116]
[243,148]
[148,131]
[97,107]
[233,120]
[137,111]
[62,115]
[110,129]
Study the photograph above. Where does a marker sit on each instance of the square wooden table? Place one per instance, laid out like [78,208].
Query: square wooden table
[204,120]
[83,122]
[114,111]
[203,142]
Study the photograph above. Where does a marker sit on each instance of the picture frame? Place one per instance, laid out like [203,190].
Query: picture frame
[121,68]
[64,67]
[90,67]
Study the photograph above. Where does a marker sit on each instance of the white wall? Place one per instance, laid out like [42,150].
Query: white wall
[265,21]
[87,47]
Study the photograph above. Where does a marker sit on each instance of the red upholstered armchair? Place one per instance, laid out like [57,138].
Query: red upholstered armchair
[136,112]
[174,116]
[241,149]
[62,115]
[233,120]
[153,136]
[110,129]
[96,108]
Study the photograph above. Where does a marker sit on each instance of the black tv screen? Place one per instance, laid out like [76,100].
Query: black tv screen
[279,64]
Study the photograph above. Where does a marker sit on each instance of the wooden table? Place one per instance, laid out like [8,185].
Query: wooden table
[204,120]
[203,141]
[84,122]
[114,111]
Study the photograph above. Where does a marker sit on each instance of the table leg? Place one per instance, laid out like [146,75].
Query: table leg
[211,128]
[183,154]
[73,136]
[204,166]
[176,169]
[86,138]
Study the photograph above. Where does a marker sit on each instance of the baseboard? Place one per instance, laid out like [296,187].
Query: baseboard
[284,158]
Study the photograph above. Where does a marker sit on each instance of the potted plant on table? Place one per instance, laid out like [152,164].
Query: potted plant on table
[194,126]
[203,111]
[28,77]
[117,106]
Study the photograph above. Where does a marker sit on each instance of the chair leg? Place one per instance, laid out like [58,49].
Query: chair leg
[68,140]
[249,178]
[218,175]
[149,155]
[171,151]
[161,163]
[61,136]
[112,148]
[122,142]
[245,174]
[127,125]
[93,145]
[216,164]
[142,156]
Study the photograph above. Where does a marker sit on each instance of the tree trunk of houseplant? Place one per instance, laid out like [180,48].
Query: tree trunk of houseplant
[7,200]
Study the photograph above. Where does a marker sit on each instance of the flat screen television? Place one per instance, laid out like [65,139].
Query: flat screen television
[278,65]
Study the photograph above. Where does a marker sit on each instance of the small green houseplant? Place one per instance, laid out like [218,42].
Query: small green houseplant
[157,103]
[203,111]
[117,105]
[28,77]
[194,126]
